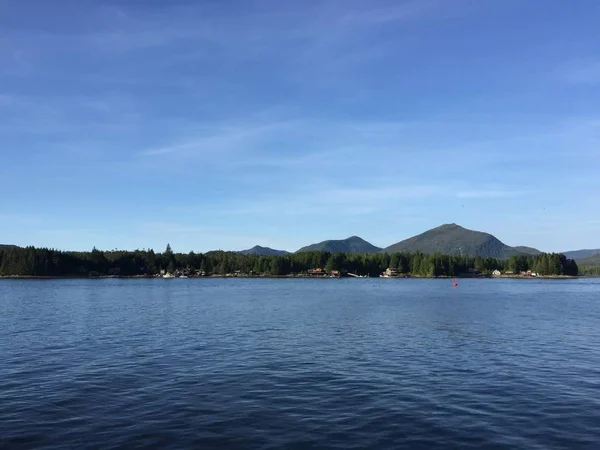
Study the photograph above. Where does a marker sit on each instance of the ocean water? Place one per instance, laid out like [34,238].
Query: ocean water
[284,363]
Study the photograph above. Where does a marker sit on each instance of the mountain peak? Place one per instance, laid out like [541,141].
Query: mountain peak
[454,239]
[263,251]
[449,226]
[353,244]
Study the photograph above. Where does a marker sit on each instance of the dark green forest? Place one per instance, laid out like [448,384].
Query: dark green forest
[43,262]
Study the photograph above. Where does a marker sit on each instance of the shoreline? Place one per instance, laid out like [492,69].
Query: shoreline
[294,276]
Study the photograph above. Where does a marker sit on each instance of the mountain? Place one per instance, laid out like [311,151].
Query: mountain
[353,244]
[590,260]
[455,240]
[527,250]
[263,251]
[7,246]
[581,254]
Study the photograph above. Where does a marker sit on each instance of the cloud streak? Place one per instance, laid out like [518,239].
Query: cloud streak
[221,139]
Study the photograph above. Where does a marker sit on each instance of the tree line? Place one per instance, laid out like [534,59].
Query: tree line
[589,270]
[30,261]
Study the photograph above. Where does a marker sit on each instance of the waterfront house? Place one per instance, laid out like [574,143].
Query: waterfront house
[496,273]
[318,272]
[390,272]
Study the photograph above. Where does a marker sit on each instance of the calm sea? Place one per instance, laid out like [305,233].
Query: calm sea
[243,364]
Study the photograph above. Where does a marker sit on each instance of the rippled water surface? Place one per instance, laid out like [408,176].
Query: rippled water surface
[363,363]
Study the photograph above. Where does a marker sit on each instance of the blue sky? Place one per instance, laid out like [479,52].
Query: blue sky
[225,124]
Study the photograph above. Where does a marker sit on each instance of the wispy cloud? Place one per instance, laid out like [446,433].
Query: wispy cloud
[282,148]
[220,139]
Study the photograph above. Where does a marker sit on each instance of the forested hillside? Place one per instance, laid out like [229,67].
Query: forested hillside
[353,244]
[266,251]
[453,239]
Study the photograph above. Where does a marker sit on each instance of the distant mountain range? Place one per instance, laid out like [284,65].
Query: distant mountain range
[449,239]
[7,246]
[593,260]
[578,255]
[353,244]
[263,251]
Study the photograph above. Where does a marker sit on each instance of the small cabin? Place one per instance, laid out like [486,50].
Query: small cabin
[390,272]
[316,272]
[496,273]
